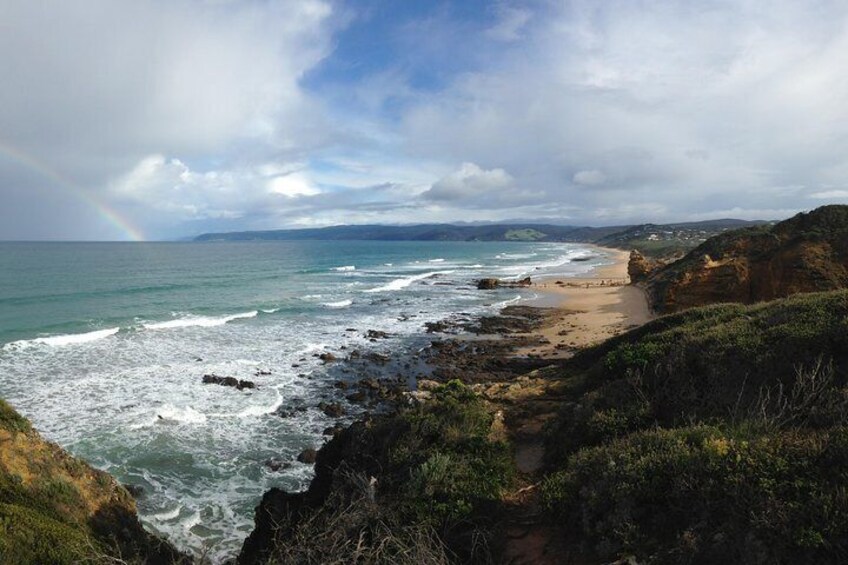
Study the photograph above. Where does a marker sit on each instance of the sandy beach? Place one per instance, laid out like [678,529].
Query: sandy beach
[589,309]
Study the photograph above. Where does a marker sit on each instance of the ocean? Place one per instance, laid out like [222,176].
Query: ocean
[104,345]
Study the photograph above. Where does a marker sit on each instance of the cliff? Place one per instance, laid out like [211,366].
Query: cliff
[806,253]
[55,508]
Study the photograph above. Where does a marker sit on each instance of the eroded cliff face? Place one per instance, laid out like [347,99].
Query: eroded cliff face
[807,253]
[55,508]
[640,267]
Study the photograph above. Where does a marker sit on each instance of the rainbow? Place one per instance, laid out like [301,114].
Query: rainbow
[110,215]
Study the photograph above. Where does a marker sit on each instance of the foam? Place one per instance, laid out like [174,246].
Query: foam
[167,516]
[345,268]
[262,410]
[400,284]
[187,415]
[339,304]
[199,321]
[62,340]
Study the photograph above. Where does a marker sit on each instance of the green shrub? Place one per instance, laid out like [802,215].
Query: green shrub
[704,495]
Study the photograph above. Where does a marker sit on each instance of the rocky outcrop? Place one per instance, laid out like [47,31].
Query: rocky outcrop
[640,267]
[55,508]
[228,381]
[487,284]
[491,284]
[806,253]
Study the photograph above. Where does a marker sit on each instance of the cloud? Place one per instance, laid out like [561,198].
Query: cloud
[469,182]
[90,89]
[511,22]
[589,178]
[189,115]
[830,195]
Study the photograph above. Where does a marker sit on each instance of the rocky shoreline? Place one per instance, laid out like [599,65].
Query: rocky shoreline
[477,353]
[486,356]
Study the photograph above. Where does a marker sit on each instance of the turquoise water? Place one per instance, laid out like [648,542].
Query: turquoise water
[103,346]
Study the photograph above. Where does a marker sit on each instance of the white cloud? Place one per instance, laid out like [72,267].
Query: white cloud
[589,178]
[830,195]
[292,186]
[468,182]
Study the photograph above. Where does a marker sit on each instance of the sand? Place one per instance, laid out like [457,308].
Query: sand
[590,309]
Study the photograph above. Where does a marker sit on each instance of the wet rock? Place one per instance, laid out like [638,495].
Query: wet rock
[488,284]
[328,357]
[262,373]
[376,334]
[341,385]
[275,464]
[333,430]
[358,396]
[332,409]
[371,383]
[378,358]
[437,327]
[135,491]
[228,381]
[289,412]
[308,456]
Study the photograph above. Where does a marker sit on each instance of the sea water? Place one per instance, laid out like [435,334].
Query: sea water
[104,345]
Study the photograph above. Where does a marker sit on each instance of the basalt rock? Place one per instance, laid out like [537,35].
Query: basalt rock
[488,284]
[228,381]
[308,456]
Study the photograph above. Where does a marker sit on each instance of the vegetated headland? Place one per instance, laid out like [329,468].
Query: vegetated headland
[694,415]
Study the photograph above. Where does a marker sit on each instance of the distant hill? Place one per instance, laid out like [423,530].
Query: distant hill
[806,253]
[649,238]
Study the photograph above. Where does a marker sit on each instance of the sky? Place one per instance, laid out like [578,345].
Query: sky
[162,119]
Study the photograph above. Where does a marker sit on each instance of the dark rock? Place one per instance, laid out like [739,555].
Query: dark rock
[228,381]
[328,357]
[308,456]
[332,409]
[333,430]
[488,284]
[275,464]
[262,373]
[341,385]
[135,491]
[358,396]
[376,334]
[371,383]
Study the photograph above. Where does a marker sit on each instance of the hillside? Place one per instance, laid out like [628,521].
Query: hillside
[806,253]
[651,239]
[56,509]
[716,435]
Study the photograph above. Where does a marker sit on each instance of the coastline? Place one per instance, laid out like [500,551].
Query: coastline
[587,310]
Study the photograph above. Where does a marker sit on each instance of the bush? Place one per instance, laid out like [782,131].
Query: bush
[704,495]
